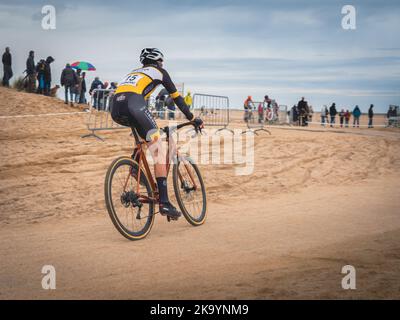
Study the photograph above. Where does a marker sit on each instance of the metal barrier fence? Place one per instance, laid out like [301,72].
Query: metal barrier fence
[283,116]
[99,113]
[393,122]
[214,110]
[255,117]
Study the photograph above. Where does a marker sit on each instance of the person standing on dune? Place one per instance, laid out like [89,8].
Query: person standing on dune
[40,71]
[78,86]
[68,80]
[47,75]
[31,72]
[6,59]
[82,98]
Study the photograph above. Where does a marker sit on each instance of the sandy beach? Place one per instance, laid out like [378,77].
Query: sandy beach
[318,199]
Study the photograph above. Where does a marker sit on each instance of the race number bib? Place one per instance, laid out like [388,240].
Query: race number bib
[131,80]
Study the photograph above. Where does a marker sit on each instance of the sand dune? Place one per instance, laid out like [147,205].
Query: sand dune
[315,202]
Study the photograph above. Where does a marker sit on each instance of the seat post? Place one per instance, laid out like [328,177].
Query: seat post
[136,136]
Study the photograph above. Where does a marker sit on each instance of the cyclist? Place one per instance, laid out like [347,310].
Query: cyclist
[129,109]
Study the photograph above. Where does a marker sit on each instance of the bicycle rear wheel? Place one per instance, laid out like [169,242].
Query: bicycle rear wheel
[190,191]
[132,213]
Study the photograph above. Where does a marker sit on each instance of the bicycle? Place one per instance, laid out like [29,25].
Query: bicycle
[130,189]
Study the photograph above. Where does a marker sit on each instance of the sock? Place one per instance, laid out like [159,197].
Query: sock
[162,189]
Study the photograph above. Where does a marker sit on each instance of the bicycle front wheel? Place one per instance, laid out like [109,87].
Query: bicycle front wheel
[129,201]
[190,191]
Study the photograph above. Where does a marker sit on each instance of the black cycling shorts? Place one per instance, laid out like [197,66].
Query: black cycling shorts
[130,109]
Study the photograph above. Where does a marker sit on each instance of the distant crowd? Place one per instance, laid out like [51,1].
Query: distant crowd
[38,79]
[302,113]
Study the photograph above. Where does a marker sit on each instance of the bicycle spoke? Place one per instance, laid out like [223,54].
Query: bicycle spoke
[192,198]
[125,184]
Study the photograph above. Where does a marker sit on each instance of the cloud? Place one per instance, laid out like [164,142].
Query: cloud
[223,47]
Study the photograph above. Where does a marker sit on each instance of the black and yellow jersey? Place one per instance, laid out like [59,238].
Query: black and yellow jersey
[145,80]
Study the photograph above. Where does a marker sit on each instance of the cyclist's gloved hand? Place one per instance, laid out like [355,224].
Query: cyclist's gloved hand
[198,123]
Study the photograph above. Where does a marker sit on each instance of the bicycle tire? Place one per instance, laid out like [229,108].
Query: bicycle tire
[131,235]
[177,188]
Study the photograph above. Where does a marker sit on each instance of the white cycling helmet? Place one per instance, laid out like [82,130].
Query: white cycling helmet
[151,54]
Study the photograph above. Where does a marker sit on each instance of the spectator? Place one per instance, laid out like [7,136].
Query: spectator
[324,112]
[347,116]
[31,72]
[189,100]
[6,59]
[40,71]
[268,101]
[248,108]
[95,92]
[356,115]
[333,113]
[78,86]
[303,111]
[260,112]
[113,86]
[392,112]
[341,117]
[160,103]
[106,94]
[47,75]
[69,81]
[82,98]
[162,95]
[295,114]
[370,116]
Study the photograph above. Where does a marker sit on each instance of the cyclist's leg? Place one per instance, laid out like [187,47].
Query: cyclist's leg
[147,129]
[129,109]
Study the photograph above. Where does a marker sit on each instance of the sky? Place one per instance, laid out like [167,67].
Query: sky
[285,49]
